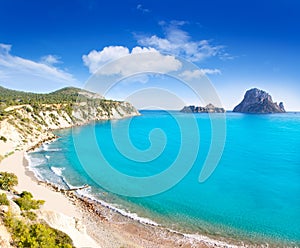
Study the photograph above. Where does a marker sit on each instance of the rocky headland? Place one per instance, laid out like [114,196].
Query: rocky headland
[27,119]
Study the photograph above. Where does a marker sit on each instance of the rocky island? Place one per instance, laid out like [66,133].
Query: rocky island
[207,109]
[257,101]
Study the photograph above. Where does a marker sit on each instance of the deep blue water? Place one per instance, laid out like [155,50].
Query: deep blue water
[253,193]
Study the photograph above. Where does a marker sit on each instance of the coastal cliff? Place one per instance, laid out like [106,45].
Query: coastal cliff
[27,119]
[207,109]
[260,102]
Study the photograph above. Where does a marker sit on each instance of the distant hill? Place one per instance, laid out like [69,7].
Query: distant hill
[10,97]
[72,91]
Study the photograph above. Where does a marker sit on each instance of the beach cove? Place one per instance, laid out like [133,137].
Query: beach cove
[91,224]
[234,236]
[24,128]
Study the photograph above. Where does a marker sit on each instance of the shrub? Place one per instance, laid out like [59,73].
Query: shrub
[45,236]
[25,194]
[29,215]
[3,199]
[3,138]
[35,235]
[28,109]
[8,180]
[26,202]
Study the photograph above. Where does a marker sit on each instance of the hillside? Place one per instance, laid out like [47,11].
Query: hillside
[28,118]
[65,95]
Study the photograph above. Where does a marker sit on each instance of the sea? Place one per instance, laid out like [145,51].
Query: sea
[252,193]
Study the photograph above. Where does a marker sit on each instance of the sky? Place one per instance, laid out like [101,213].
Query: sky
[237,45]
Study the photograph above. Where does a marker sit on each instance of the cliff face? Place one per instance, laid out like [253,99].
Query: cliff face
[258,101]
[24,126]
[208,109]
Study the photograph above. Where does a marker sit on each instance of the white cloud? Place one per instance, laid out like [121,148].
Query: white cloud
[95,59]
[17,68]
[5,48]
[142,59]
[198,73]
[141,8]
[138,49]
[50,59]
[179,43]
[142,62]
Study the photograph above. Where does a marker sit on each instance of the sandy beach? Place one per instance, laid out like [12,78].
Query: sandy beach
[57,208]
[81,220]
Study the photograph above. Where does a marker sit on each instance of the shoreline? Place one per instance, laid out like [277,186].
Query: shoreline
[102,225]
[116,220]
[52,212]
[105,212]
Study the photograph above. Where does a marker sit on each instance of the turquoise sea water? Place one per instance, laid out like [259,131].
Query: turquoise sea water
[254,193]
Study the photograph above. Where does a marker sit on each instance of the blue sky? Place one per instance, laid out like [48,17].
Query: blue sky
[45,45]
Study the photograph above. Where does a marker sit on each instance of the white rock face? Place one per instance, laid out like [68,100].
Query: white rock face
[70,226]
[25,128]
[5,237]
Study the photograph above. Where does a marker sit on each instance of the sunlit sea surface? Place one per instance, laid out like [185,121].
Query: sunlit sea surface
[254,193]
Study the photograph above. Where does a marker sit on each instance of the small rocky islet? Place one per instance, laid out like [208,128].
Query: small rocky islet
[255,101]
[198,109]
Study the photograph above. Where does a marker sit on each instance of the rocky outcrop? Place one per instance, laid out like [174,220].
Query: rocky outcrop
[281,107]
[72,226]
[208,109]
[257,101]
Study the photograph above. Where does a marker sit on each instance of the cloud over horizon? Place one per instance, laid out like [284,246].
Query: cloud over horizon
[198,73]
[50,60]
[14,68]
[142,59]
[178,42]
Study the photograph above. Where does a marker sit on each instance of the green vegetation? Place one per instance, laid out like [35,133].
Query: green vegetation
[26,201]
[26,231]
[3,138]
[63,96]
[8,180]
[3,199]
[8,154]
[12,97]
[29,215]
[35,235]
